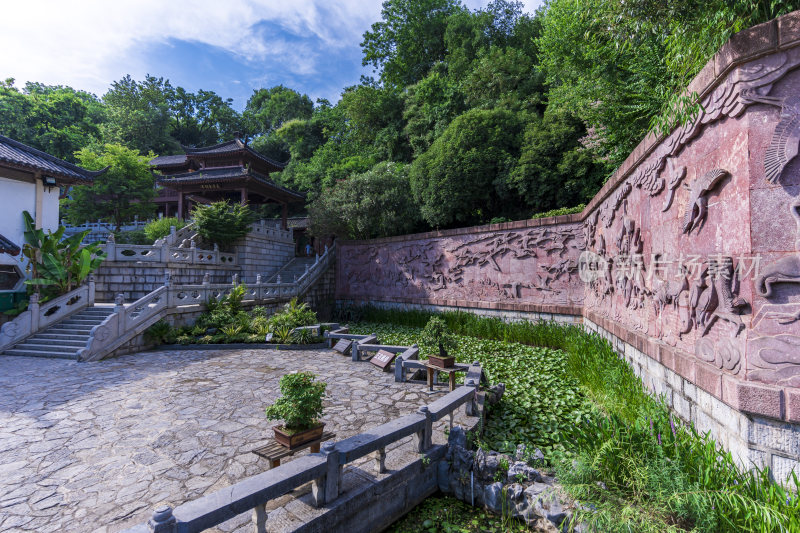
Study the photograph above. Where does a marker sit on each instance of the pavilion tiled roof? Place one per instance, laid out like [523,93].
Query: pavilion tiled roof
[19,155]
[168,160]
[215,175]
[8,247]
[235,145]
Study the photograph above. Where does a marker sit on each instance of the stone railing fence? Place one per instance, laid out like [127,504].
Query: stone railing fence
[39,316]
[127,321]
[323,469]
[164,251]
[272,230]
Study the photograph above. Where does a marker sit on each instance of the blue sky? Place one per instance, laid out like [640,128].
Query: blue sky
[231,47]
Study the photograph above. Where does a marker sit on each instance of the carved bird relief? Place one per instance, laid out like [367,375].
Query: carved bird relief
[697,206]
[785,139]
[675,179]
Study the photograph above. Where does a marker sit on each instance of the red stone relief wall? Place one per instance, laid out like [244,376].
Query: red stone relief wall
[691,252]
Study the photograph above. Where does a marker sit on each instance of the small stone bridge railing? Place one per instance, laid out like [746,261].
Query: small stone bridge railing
[128,321]
[323,469]
[40,316]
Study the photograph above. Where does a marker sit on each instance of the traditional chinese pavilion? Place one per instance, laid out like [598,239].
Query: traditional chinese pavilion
[228,171]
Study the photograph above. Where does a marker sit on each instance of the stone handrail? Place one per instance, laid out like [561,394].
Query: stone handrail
[128,321]
[272,231]
[124,323]
[323,469]
[166,253]
[39,316]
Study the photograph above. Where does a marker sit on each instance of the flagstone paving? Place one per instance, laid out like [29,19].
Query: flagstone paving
[96,446]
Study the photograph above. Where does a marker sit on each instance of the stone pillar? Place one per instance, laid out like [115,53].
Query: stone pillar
[180,205]
[163,521]
[33,307]
[91,290]
[424,436]
[326,489]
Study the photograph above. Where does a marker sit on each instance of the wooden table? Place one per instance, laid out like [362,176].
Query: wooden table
[274,452]
[450,371]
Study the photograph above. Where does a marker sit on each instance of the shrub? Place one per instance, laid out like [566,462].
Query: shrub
[293,315]
[560,211]
[437,334]
[300,404]
[131,237]
[161,227]
[222,223]
[161,333]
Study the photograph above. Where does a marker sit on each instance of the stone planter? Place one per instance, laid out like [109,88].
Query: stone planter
[441,362]
[299,438]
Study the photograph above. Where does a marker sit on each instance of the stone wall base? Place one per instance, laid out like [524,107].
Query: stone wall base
[511,316]
[751,440]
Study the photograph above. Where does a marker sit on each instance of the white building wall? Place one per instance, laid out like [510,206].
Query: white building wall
[50,209]
[15,197]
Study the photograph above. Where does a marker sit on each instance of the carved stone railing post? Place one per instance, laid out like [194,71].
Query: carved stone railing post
[119,309]
[216,254]
[235,280]
[278,279]
[424,436]
[163,521]
[33,307]
[111,247]
[90,298]
[471,407]
[193,254]
[260,518]
[326,489]
[165,252]
[167,277]
[206,279]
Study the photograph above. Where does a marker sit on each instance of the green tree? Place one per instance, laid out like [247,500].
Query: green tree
[554,169]
[139,115]
[376,203]
[430,106]
[408,40]
[56,119]
[462,178]
[221,222]
[272,107]
[125,190]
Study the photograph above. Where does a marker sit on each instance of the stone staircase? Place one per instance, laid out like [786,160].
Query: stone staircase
[63,339]
[292,270]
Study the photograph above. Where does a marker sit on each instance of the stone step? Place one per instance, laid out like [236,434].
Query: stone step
[39,353]
[68,343]
[48,335]
[28,345]
[66,330]
[81,322]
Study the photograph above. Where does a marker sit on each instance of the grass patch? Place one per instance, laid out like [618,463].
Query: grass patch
[449,515]
[541,404]
[612,444]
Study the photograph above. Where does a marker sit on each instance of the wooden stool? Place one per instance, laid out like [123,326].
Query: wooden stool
[274,452]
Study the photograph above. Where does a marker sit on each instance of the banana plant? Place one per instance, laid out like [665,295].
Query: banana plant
[56,264]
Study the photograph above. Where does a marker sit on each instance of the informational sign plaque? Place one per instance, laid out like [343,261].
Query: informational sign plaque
[382,359]
[343,346]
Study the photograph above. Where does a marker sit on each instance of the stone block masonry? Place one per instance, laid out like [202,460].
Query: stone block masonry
[257,253]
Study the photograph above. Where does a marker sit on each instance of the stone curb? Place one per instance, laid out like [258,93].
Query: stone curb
[239,346]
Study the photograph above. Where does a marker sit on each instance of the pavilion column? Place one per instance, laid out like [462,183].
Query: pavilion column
[285,215]
[244,195]
[180,205]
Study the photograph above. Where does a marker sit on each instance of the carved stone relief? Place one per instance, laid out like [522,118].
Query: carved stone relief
[676,176]
[697,205]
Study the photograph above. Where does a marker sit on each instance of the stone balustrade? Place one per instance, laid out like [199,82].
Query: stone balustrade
[129,321]
[40,316]
[323,469]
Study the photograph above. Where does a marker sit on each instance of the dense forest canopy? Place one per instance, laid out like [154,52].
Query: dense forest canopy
[471,116]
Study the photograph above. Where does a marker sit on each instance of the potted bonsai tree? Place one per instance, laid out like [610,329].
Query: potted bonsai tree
[300,407]
[436,333]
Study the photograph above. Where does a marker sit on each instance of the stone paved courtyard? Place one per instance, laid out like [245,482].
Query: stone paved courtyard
[96,446]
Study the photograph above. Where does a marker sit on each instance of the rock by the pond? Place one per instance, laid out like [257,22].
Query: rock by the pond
[478,477]
[495,394]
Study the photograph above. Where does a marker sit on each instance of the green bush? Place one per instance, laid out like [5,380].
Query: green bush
[161,333]
[161,227]
[560,211]
[437,334]
[131,237]
[293,315]
[222,223]
[300,404]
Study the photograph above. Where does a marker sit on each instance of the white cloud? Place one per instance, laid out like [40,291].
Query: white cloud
[89,43]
